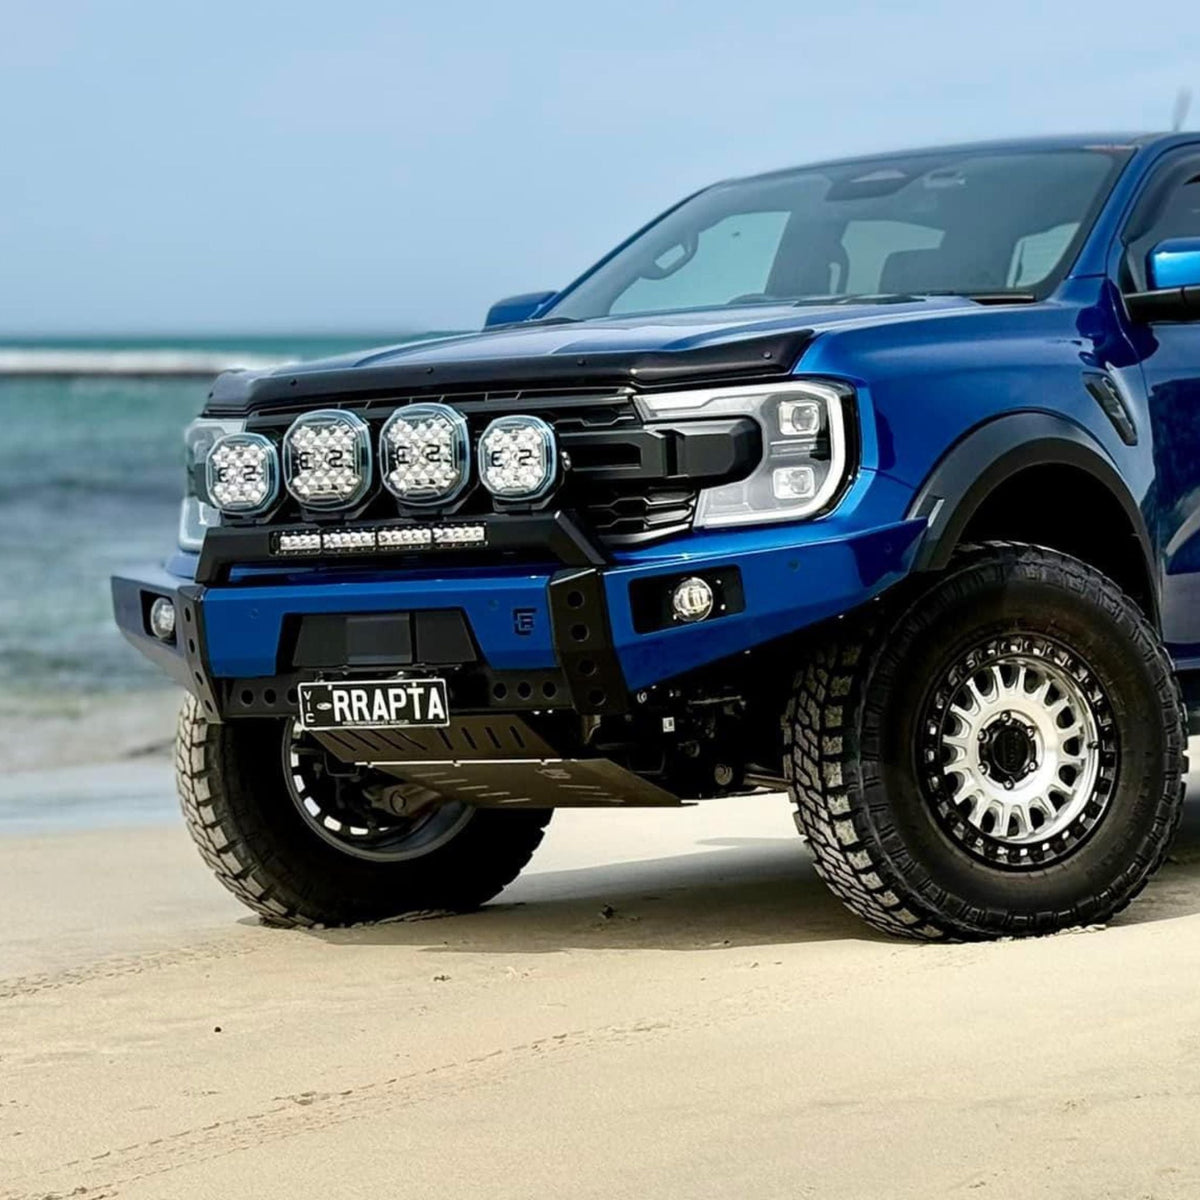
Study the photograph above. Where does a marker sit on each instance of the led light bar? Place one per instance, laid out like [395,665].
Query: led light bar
[298,543]
[459,535]
[400,538]
[348,539]
[292,542]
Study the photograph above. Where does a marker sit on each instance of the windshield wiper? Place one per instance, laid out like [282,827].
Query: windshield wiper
[1000,297]
[862,298]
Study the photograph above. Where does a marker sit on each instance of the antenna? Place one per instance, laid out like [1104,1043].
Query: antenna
[1183,102]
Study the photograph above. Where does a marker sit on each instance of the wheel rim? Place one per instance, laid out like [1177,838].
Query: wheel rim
[1019,751]
[337,806]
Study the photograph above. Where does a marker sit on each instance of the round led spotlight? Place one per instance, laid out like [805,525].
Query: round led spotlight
[327,459]
[426,453]
[518,459]
[692,599]
[241,473]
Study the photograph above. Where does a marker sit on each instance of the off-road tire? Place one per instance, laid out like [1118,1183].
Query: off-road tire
[853,778]
[249,832]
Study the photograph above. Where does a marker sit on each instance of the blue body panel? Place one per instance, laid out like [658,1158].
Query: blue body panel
[244,624]
[926,374]
[793,576]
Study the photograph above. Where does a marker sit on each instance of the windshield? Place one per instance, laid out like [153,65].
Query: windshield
[977,223]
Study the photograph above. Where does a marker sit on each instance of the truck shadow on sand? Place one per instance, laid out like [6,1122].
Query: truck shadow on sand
[738,892]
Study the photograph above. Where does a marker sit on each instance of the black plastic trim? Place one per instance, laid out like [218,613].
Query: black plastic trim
[766,356]
[1164,304]
[376,640]
[650,599]
[698,452]
[972,469]
[1105,392]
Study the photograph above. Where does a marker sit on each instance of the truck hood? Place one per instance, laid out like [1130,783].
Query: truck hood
[669,349]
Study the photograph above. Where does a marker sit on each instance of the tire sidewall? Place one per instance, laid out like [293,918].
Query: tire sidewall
[308,880]
[1012,594]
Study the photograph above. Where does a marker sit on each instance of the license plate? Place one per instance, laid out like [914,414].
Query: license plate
[378,704]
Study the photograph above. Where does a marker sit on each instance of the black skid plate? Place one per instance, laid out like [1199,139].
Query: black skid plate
[494,761]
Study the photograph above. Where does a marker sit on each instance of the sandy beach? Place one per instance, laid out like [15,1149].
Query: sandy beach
[667,1005]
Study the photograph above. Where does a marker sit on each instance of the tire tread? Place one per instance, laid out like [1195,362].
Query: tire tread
[867,866]
[225,823]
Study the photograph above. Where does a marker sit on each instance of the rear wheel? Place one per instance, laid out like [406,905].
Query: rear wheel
[304,840]
[1006,756]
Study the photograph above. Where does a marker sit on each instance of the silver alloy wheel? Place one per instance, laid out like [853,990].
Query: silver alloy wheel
[1020,750]
[338,808]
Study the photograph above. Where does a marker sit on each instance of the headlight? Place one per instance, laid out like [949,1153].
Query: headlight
[804,460]
[242,473]
[327,459]
[196,515]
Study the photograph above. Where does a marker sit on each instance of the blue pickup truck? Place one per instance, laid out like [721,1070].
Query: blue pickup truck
[875,481]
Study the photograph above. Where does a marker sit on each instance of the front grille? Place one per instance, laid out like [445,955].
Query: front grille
[619,485]
[624,515]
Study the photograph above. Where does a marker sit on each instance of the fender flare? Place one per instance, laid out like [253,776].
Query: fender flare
[987,456]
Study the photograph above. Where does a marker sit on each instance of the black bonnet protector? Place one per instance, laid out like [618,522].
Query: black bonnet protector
[768,356]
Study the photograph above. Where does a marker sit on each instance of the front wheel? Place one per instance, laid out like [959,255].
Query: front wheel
[1007,756]
[304,840]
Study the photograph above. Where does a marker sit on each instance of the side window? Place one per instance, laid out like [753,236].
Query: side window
[732,258]
[1170,208]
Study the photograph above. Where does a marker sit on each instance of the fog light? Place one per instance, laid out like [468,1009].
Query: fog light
[162,619]
[692,599]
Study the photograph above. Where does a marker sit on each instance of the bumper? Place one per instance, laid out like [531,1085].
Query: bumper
[584,636]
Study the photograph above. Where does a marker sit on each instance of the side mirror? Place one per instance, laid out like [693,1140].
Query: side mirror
[513,309]
[1174,264]
[1173,283]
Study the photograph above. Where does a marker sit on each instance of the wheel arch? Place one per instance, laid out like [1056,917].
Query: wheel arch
[992,484]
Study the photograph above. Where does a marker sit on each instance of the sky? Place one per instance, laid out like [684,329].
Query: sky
[239,166]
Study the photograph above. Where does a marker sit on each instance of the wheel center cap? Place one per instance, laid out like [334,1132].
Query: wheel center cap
[1008,750]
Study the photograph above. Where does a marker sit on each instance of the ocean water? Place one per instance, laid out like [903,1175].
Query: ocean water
[90,479]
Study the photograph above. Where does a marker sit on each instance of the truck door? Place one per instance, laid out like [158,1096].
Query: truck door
[1170,360]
